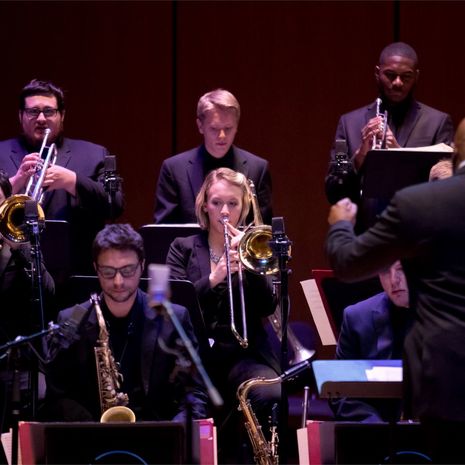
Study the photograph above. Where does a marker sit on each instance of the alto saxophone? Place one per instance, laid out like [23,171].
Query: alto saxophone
[265,453]
[112,401]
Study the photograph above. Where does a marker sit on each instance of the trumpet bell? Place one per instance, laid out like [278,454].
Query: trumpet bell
[255,252]
[12,218]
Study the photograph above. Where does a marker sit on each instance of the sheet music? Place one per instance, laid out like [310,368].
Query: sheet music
[379,373]
[318,311]
[6,443]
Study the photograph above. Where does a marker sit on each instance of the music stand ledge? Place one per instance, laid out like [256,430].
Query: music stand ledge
[347,378]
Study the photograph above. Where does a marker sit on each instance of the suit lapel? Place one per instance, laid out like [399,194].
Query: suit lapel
[382,327]
[195,171]
[202,254]
[240,162]
[411,119]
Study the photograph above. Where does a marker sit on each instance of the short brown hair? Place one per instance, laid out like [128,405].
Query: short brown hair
[217,99]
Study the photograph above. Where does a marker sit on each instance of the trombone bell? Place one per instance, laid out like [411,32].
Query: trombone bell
[12,221]
[255,252]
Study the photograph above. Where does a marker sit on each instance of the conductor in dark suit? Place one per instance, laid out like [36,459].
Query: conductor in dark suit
[409,123]
[74,186]
[135,332]
[424,226]
[182,175]
[375,329]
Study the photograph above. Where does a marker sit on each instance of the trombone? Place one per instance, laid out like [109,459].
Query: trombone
[12,210]
[243,341]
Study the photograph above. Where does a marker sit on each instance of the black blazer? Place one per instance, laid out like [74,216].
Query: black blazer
[423,126]
[72,388]
[424,226]
[181,178]
[367,333]
[87,211]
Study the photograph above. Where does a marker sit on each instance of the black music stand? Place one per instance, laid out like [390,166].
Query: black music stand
[154,442]
[182,293]
[158,238]
[387,171]
[56,249]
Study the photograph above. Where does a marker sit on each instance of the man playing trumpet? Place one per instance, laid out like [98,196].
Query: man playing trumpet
[73,190]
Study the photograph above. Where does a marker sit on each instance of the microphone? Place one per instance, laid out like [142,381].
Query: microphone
[341,162]
[295,370]
[68,331]
[159,289]
[111,180]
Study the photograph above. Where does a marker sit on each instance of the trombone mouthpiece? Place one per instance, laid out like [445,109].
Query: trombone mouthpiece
[47,131]
[224,219]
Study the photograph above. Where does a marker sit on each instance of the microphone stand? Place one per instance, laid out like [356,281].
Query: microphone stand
[32,231]
[213,393]
[12,348]
[280,245]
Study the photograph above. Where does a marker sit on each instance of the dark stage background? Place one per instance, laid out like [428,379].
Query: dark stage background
[133,72]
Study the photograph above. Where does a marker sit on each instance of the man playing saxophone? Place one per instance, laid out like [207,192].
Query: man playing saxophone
[135,330]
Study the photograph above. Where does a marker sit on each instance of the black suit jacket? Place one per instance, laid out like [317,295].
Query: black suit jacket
[87,211]
[181,178]
[422,126]
[424,226]
[367,333]
[72,388]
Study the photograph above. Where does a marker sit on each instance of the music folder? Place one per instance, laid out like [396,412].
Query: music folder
[387,171]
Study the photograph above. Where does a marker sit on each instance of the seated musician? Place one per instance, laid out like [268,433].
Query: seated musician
[201,258]
[19,315]
[74,392]
[375,329]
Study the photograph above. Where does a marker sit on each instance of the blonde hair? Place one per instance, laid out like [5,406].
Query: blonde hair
[221,174]
[217,99]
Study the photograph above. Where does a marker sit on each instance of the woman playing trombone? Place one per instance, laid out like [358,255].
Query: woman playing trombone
[221,206]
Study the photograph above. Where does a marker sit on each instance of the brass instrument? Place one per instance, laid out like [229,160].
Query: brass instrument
[12,210]
[301,353]
[265,453]
[256,255]
[112,402]
[242,339]
[378,142]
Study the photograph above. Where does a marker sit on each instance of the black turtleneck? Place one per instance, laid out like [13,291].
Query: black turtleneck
[211,163]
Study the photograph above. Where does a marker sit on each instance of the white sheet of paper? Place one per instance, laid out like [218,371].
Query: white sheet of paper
[379,373]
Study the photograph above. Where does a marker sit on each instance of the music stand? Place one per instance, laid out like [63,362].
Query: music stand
[56,249]
[182,293]
[158,238]
[387,171]
[349,378]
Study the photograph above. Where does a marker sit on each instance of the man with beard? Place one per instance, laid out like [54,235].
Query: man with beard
[74,191]
[136,336]
[409,123]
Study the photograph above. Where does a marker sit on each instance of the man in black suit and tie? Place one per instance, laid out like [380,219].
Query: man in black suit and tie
[424,226]
[182,175]
[409,123]
[74,190]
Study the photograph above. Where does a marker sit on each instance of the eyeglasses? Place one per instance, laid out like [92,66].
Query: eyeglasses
[35,112]
[109,272]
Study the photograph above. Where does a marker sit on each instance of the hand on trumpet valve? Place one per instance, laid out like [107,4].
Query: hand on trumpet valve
[27,168]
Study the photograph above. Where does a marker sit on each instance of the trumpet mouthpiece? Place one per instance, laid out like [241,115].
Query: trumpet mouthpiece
[47,131]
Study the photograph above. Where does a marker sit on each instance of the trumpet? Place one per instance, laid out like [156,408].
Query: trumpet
[34,187]
[378,142]
[12,210]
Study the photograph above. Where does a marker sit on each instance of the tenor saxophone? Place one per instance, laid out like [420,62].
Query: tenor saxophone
[265,452]
[112,401]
